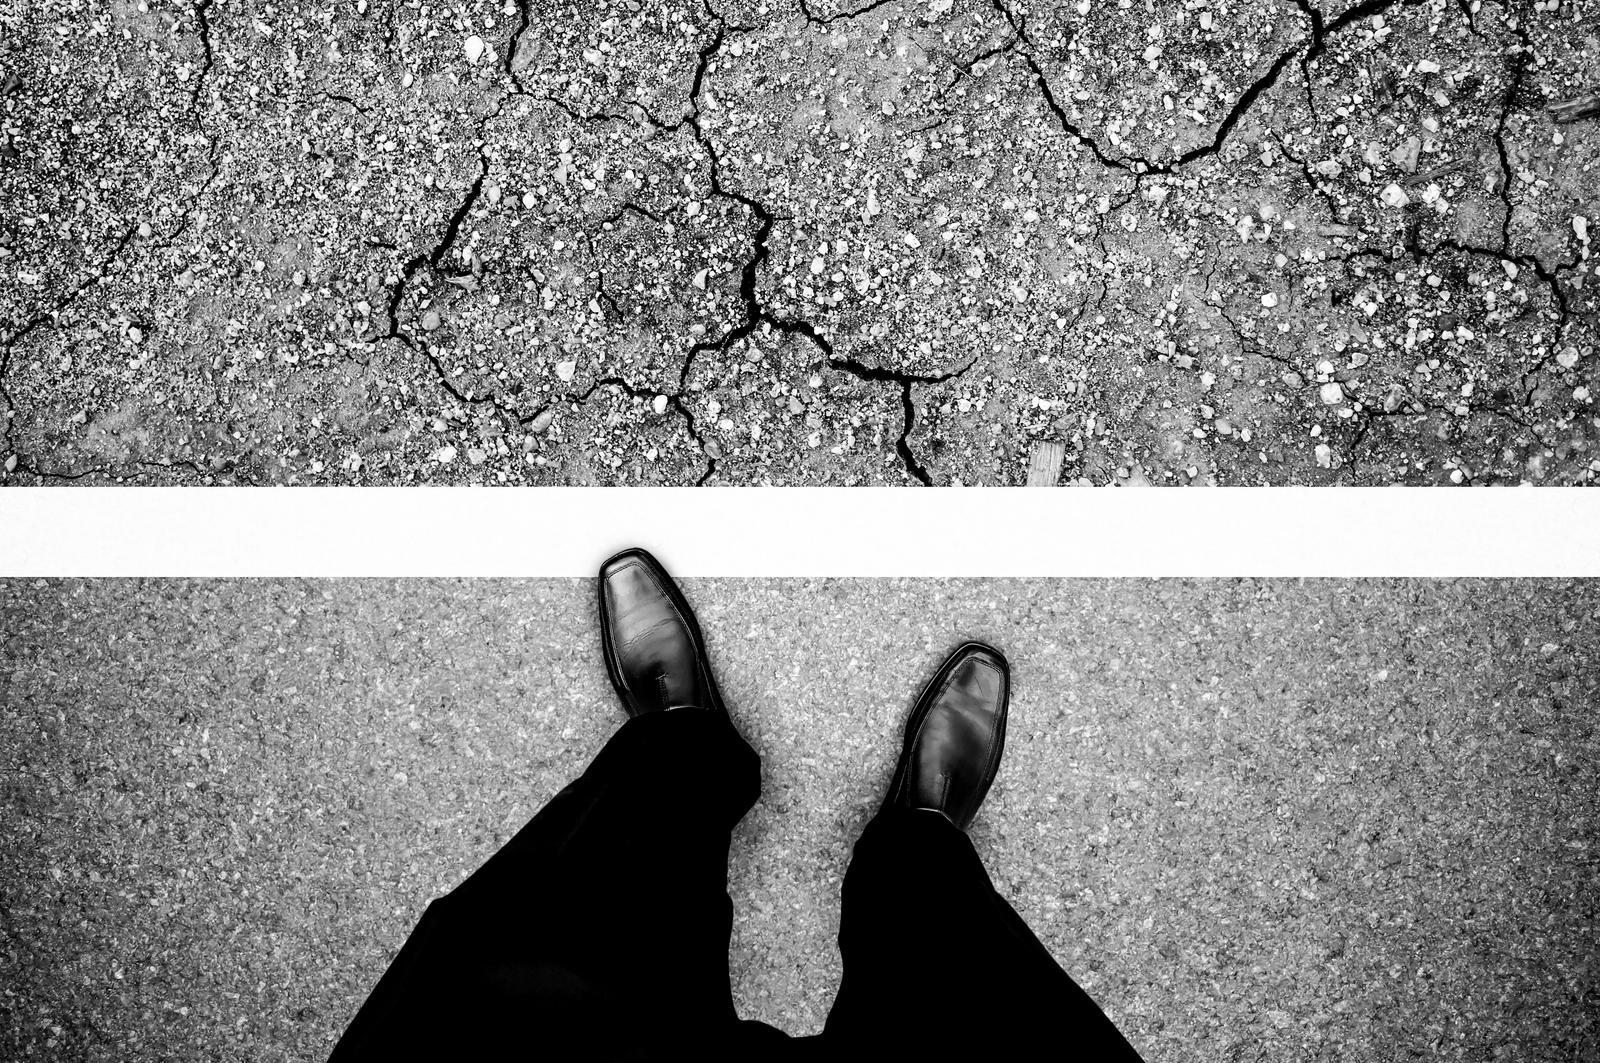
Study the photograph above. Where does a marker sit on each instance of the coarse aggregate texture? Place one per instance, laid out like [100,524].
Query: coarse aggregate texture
[1256,820]
[756,241]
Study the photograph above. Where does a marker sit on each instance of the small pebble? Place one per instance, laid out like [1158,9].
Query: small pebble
[1405,156]
[1394,196]
[566,370]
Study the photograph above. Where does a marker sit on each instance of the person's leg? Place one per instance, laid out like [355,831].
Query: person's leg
[934,958]
[601,928]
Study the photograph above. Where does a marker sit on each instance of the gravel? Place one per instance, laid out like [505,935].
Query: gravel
[282,246]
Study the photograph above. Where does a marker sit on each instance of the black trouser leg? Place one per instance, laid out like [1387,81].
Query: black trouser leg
[599,931]
[936,961]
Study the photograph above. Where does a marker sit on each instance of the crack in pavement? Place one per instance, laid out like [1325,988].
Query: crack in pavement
[515,40]
[811,17]
[1518,62]
[1314,45]
[1317,186]
[202,15]
[49,318]
[908,408]
[754,313]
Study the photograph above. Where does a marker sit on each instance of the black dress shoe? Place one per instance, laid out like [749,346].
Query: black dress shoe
[654,652]
[955,735]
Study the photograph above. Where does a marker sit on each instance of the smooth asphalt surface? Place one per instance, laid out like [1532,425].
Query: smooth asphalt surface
[1256,820]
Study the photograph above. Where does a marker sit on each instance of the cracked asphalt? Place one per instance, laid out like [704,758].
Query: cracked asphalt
[1266,819]
[1228,241]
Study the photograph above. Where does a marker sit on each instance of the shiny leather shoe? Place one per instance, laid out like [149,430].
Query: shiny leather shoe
[955,735]
[654,652]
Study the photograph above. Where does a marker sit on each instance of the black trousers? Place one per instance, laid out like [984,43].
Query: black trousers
[601,932]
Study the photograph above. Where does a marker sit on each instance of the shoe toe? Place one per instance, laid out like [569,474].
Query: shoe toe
[653,652]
